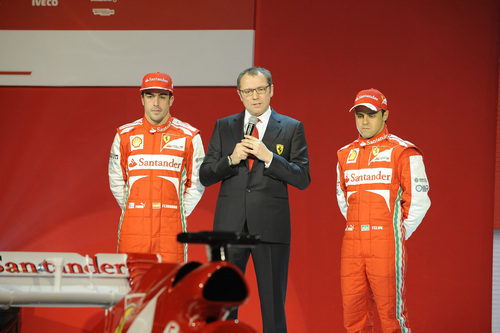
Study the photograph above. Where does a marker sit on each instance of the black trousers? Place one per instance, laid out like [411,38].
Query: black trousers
[271,270]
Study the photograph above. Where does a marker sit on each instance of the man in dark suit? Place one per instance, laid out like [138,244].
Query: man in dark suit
[255,172]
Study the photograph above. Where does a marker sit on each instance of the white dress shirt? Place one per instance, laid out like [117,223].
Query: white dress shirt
[261,126]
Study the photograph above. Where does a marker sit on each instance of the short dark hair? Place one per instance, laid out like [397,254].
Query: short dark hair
[253,71]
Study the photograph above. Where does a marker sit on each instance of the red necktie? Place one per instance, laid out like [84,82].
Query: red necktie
[255,134]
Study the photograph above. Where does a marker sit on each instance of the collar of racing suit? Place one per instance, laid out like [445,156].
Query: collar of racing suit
[377,138]
[154,129]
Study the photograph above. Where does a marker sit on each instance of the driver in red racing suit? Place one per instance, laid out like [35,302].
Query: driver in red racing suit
[382,192]
[154,174]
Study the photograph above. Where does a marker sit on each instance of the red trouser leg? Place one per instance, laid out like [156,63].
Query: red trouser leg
[386,280]
[356,296]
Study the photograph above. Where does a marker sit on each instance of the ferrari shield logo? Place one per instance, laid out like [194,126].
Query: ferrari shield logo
[165,139]
[375,151]
[279,149]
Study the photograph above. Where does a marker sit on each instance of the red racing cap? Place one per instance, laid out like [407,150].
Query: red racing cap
[372,99]
[157,81]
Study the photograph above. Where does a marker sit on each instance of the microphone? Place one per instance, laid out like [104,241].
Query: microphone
[251,124]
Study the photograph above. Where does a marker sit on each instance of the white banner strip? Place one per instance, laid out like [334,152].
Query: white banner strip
[122,58]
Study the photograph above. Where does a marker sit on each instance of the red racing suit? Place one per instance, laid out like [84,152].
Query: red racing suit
[154,176]
[382,191]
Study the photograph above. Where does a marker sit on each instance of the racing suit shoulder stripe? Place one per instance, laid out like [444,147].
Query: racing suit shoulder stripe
[345,147]
[188,126]
[129,127]
[400,141]
[132,124]
[184,130]
[184,127]
[348,146]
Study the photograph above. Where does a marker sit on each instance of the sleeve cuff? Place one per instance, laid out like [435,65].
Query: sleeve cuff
[266,165]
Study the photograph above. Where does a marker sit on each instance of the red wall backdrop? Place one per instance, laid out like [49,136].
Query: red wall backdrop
[437,62]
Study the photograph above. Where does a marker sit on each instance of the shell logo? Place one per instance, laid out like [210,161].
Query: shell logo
[352,155]
[136,142]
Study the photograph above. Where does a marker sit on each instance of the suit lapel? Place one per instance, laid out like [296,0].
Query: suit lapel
[272,131]
[237,127]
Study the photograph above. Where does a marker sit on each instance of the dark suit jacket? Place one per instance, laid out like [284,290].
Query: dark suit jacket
[259,196]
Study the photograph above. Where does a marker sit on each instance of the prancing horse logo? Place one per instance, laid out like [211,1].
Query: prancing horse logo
[279,149]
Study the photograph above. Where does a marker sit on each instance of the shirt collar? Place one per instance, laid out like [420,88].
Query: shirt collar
[264,118]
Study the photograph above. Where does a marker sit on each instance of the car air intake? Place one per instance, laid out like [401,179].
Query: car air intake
[225,285]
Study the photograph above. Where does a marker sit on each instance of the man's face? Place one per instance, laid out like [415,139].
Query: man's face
[253,101]
[368,122]
[157,105]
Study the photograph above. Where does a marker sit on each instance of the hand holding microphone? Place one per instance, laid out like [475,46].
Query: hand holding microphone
[249,145]
[252,122]
[252,145]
